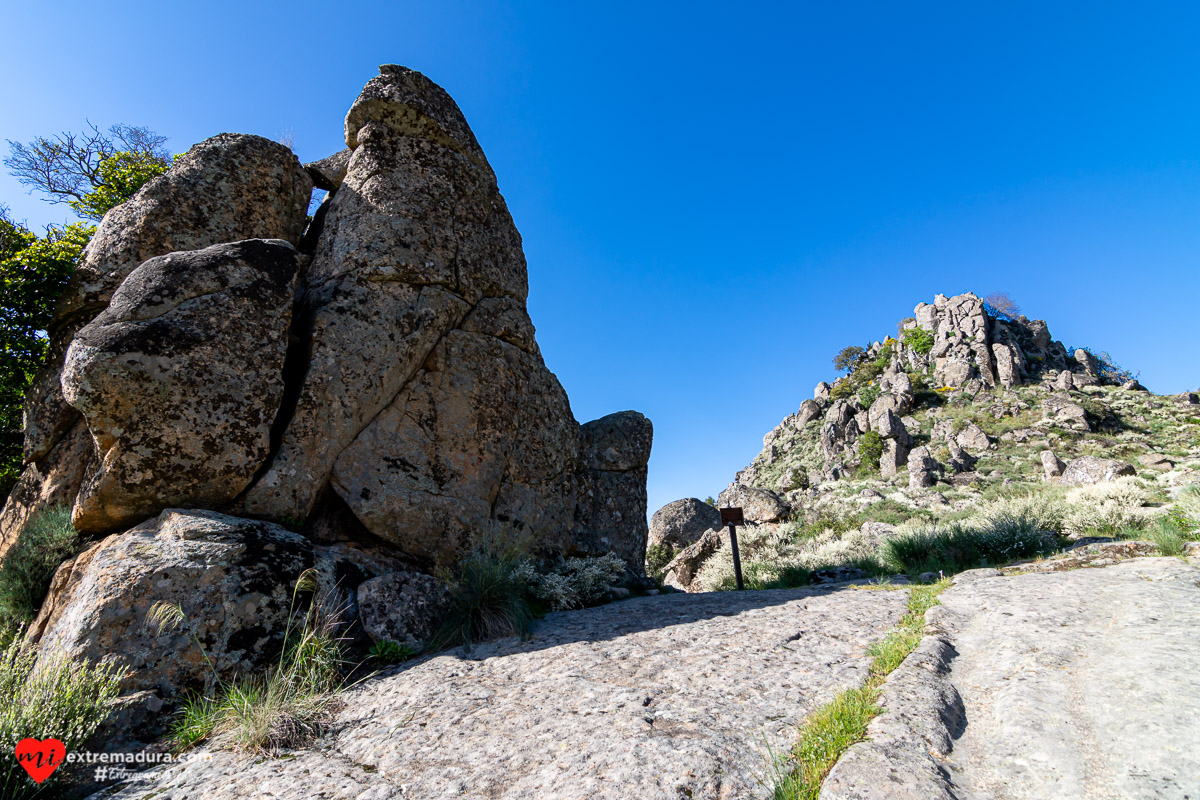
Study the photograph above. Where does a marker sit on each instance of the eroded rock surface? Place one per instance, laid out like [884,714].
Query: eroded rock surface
[179,380]
[1074,685]
[669,696]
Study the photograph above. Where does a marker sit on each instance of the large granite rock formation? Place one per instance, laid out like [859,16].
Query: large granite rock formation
[372,380]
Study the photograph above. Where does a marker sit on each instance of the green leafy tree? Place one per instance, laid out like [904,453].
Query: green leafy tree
[121,175]
[848,357]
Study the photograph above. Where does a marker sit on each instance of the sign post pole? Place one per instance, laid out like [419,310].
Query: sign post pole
[733,517]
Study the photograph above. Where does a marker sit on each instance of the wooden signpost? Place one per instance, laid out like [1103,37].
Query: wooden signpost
[733,517]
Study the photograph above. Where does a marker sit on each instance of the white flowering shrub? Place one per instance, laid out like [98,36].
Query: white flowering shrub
[769,552]
[1107,508]
[576,583]
[1047,510]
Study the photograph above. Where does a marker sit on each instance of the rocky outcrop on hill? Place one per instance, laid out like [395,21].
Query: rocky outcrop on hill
[955,346]
[965,402]
[371,382]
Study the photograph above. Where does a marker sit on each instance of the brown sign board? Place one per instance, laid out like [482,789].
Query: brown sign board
[732,516]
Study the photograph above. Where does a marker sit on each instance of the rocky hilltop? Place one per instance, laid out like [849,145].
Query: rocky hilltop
[964,406]
[237,394]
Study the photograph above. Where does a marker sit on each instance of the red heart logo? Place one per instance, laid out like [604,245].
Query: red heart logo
[40,759]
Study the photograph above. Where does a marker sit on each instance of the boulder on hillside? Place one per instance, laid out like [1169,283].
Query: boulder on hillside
[1156,461]
[809,410]
[923,468]
[821,392]
[682,570]
[1052,465]
[1090,469]
[1059,410]
[974,437]
[1087,362]
[682,522]
[1133,386]
[179,380]
[758,505]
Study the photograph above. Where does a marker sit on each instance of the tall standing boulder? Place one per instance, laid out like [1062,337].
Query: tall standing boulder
[426,405]
[179,380]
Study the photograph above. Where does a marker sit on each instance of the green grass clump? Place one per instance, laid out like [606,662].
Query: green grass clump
[385,651]
[284,708]
[957,546]
[833,728]
[64,699]
[47,540]
[488,597]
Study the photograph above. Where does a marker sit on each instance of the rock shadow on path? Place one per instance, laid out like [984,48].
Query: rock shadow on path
[670,696]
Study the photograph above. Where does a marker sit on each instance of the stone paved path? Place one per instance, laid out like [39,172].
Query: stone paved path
[676,696]
[1079,685]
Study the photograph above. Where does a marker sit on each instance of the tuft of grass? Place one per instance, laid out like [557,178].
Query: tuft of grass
[836,726]
[64,699]
[957,546]
[386,651]
[488,597]
[47,540]
[285,708]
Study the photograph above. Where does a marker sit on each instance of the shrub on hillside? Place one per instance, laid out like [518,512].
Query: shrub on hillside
[578,582]
[848,358]
[870,450]
[918,340]
[1107,509]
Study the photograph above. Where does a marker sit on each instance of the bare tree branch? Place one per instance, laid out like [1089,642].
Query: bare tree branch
[67,166]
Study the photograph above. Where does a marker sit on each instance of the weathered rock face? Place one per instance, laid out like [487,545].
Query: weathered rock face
[682,522]
[52,481]
[226,189]
[232,577]
[402,607]
[426,404]
[1059,410]
[1090,469]
[179,380]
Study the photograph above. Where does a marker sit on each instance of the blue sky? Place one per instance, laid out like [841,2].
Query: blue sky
[715,198]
